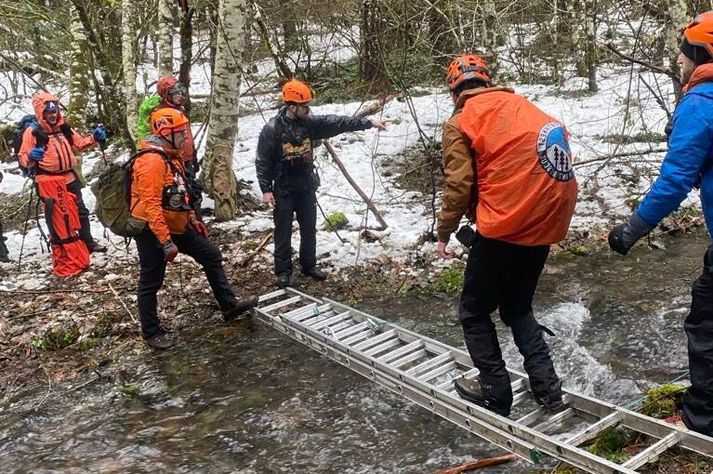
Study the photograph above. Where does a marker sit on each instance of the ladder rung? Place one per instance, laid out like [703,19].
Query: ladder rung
[359,336]
[282,304]
[407,359]
[437,372]
[309,312]
[447,385]
[430,363]
[372,341]
[335,328]
[518,384]
[469,373]
[269,296]
[401,351]
[395,342]
[330,321]
[594,429]
[554,419]
[317,318]
[530,417]
[519,397]
[654,451]
[346,332]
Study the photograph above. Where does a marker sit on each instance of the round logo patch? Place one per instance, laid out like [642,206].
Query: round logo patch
[554,153]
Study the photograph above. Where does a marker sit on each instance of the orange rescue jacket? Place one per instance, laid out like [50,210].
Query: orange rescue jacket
[520,169]
[158,192]
[59,156]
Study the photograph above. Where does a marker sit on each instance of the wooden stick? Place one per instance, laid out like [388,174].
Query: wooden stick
[473,465]
[122,302]
[356,187]
[263,244]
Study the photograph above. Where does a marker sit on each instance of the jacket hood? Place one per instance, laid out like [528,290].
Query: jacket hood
[477,91]
[152,141]
[702,74]
[164,85]
[38,104]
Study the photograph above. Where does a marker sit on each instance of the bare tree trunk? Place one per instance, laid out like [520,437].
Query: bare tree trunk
[443,38]
[128,60]
[373,50]
[677,15]
[78,74]
[165,37]
[218,178]
[289,29]
[591,43]
[186,32]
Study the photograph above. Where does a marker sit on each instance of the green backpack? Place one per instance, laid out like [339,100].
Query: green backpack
[113,196]
[143,127]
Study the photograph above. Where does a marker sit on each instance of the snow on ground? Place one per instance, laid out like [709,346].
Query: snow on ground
[589,118]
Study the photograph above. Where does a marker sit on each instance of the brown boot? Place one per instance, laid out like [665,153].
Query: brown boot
[160,342]
[238,311]
[95,246]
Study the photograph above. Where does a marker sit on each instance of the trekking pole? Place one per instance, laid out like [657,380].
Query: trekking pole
[328,222]
[24,230]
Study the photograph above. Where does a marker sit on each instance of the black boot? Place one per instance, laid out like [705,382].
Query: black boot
[238,311]
[160,342]
[471,390]
[283,281]
[315,273]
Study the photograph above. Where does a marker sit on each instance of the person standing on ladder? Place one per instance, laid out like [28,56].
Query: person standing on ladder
[508,167]
[688,162]
[286,174]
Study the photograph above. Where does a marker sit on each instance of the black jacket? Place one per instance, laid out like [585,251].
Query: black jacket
[284,160]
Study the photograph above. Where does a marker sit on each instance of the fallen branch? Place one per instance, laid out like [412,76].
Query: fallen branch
[473,465]
[621,155]
[263,244]
[362,194]
[116,295]
[653,67]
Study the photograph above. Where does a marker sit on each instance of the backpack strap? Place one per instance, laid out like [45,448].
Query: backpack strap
[129,170]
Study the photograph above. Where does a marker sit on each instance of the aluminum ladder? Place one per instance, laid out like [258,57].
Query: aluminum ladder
[423,370]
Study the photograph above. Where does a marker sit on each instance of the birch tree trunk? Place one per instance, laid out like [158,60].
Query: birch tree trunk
[128,61]
[79,79]
[677,15]
[165,38]
[590,53]
[217,175]
[184,74]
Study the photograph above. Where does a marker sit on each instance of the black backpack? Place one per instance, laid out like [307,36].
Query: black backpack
[41,137]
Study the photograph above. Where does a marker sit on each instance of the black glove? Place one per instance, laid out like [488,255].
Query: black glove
[624,236]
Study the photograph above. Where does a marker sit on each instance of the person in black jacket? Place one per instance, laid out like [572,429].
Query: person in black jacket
[286,174]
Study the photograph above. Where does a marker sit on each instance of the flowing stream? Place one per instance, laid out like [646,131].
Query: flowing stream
[247,399]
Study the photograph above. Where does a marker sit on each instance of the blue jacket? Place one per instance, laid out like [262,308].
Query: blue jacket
[689,159]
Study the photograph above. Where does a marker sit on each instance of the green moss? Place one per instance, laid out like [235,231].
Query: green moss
[450,281]
[60,336]
[335,221]
[580,250]
[103,326]
[88,343]
[610,444]
[131,389]
[663,401]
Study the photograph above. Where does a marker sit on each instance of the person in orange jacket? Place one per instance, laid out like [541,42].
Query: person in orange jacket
[508,167]
[56,156]
[160,197]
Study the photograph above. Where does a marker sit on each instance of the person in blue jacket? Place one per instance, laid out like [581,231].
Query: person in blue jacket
[688,162]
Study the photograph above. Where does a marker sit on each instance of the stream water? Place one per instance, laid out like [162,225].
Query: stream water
[247,399]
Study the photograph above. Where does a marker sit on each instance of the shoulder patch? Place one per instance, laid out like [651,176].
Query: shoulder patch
[553,152]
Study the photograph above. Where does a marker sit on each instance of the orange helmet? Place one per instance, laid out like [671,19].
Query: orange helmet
[296,92]
[466,67]
[167,119]
[697,42]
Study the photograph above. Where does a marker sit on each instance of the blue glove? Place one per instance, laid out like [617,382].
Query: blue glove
[37,154]
[99,134]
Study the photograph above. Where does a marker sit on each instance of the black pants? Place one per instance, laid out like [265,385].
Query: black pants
[698,403]
[304,204]
[3,248]
[503,275]
[85,232]
[153,270]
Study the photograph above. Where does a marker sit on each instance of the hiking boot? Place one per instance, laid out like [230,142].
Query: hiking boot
[283,281]
[160,342]
[315,273]
[552,406]
[470,389]
[237,312]
[96,247]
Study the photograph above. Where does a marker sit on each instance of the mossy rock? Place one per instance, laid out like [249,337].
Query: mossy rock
[103,326]
[60,336]
[450,281]
[611,444]
[580,250]
[89,343]
[336,221]
[663,401]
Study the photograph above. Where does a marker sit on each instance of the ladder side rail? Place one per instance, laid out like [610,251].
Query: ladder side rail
[653,452]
